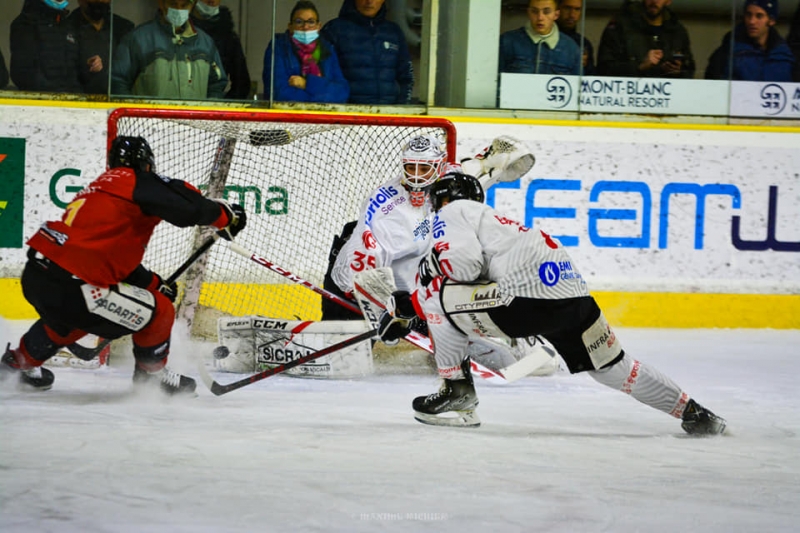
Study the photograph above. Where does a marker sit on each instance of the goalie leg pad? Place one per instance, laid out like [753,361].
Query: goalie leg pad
[257,343]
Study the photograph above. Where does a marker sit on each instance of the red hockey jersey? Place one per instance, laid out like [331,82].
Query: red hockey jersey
[102,235]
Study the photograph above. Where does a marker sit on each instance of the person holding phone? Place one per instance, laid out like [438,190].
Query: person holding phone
[646,40]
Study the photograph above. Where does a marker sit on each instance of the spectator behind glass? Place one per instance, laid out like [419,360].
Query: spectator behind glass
[217,21]
[373,53]
[306,66]
[759,52]
[44,51]
[92,26]
[3,71]
[168,58]
[569,18]
[794,42]
[539,47]
[645,40]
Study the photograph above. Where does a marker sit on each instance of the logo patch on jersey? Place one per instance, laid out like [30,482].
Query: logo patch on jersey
[370,243]
[438,227]
[549,273]
[383,195]
[422,230]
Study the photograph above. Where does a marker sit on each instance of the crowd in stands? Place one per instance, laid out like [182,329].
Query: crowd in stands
[647,39]
[190,50]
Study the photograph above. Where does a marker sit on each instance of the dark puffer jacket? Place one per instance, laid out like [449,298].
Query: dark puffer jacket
[750,62]
[93,42]
[220,28]
[3,72]
[373,54]
[44,50]
[793,40]
[628,38]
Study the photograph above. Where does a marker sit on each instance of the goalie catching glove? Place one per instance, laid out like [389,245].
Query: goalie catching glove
[398,319]
[506,159]
[237,219]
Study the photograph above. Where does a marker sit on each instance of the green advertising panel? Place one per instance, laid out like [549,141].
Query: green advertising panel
[12,191]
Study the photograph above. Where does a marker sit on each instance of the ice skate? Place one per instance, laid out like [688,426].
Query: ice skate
[697,420]
[36,378]
[453,405]
[170,382]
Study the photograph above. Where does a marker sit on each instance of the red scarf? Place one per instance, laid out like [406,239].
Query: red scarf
[308,65]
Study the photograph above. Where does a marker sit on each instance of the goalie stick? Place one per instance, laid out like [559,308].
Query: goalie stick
[508,374]
[218,389]
[87,354]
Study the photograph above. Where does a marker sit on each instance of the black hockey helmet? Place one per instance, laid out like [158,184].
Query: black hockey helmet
[131,152]
[455,186]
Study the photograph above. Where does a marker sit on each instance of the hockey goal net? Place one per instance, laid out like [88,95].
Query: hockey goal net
[301,177]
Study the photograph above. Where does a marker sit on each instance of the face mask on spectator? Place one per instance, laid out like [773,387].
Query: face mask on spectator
[177,17]
[98,10]
[207,10]
[55,4]
[306,37]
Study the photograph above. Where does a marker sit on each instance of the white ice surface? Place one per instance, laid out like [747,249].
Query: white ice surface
[555,454]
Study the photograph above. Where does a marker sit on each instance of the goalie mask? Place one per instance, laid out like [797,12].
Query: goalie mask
[424,161]
[131,152]
[455,186]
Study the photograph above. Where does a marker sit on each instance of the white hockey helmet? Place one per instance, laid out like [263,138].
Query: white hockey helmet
[424,162]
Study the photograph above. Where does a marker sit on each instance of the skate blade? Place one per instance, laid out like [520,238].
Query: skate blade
[464,419]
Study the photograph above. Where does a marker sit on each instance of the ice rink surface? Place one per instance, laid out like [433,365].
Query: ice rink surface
[554,454]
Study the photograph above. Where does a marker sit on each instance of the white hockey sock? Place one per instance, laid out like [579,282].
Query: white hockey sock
[645,384]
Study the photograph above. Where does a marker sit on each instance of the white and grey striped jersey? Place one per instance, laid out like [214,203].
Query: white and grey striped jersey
[476,242]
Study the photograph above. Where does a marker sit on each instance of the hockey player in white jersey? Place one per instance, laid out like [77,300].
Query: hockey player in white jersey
[394,224]
[393,230]
[490,275]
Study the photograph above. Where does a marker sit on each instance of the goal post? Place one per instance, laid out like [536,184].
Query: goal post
[300,177]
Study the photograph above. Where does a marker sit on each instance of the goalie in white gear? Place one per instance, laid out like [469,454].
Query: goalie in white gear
[490,275]
[394,223]
[393,231]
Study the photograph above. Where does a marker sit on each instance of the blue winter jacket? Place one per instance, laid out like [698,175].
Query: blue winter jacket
[750,62]
[374,56]
[330,88]
[518,53]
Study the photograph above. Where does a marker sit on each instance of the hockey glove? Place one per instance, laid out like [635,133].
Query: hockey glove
[170,290]
[429,268]
[396,321]
[237,219]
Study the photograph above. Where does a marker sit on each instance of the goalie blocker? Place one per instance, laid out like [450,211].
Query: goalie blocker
[253,344]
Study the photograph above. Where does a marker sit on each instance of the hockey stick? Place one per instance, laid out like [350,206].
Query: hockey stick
[532,361]
[218,389]
[417,339]
[87,354]
[244,252]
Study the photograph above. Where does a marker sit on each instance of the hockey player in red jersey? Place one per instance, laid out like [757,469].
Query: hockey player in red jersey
[84,272]
[490,275]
